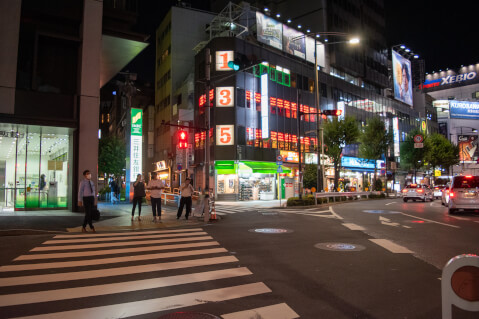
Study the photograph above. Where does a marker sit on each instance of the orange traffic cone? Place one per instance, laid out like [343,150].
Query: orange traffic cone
[213,214]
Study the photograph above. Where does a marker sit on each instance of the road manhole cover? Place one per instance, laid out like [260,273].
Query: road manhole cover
[270,230]
[339,247]
[380,211]
[189,315]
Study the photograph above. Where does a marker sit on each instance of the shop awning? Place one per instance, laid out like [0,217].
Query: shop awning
[225,167]
[265,167]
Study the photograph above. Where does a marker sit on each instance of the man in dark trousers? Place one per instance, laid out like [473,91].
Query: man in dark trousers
[86,198]
[186,193]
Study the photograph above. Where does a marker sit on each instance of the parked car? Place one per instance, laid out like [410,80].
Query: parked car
[417,192]
[437,191]
[445,194]
[464,194]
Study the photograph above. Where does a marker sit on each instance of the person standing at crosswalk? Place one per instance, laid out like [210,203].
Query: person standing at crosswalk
[138,194]
[86,198]
[186,192]
[155,186]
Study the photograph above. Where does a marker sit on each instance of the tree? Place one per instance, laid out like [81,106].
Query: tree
[441,152]
[111,156]
[411,157]
[338,134]
[310,176]
[374,142]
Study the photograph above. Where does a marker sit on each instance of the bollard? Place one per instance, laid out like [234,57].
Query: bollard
[460,284]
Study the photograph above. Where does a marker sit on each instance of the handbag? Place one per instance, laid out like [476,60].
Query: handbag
[148,196]
[95,214]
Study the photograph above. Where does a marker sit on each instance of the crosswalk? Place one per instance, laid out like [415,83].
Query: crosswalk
[314,212]
[132,274]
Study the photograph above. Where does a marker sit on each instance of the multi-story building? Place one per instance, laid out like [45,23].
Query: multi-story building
[456,94]
[55,57]
[255,112]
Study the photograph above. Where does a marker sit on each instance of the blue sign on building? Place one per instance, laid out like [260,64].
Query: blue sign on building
[464,110]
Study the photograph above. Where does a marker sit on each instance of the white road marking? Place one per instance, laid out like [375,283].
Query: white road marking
[406,226]
[353,226]
[279,311]
[332,212]
[114,260]
[114,251]
[128,286]
[432,221]
[130,233]
[137,308]
[392,247]
[111,272]
[384,219]
[122,244]
[459,218]
[390,203]
[69,241]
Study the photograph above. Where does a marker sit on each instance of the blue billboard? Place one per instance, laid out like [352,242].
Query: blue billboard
[464,110]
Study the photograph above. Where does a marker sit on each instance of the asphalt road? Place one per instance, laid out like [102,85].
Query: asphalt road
[329,262]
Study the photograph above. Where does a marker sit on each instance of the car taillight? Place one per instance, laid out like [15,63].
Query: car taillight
[420,190]
[451,193]
[404,190]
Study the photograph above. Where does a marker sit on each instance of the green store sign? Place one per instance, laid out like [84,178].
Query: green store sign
[136,121]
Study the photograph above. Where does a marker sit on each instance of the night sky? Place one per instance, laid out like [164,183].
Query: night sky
[442,33]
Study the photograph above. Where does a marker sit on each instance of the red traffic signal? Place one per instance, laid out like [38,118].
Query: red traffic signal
[331,112]
[182,139]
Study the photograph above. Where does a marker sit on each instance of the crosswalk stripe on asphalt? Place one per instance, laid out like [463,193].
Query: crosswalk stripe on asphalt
[58,274]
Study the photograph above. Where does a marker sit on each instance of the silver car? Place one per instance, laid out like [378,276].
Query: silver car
[417,192]
[464,194]
[445,194]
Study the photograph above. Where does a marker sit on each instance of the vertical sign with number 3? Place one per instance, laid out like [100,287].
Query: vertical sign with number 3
[225,96]
[225,135]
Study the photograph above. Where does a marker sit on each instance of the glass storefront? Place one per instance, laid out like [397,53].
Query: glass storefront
[35,167]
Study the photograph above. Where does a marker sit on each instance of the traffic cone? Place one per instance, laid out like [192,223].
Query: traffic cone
[213,214]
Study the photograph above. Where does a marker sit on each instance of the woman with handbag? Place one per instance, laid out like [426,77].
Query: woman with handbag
[138,194]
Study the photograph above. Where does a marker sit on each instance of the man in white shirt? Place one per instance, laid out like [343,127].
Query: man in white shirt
[186,192]
[155,186]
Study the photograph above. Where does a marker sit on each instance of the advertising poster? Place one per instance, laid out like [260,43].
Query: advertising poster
[319,51]
[464,110]
[269,31]
[402,78]
[294,42]
[468,151]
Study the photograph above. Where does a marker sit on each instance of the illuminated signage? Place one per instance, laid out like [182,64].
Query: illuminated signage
[450,79]
[464,110]
[402,78]
[396,136]
[225,96]
[289,156]
[136,143]
[160,165]
[264,106]
[278,74]
[222,59]
[225,135]
[468,148]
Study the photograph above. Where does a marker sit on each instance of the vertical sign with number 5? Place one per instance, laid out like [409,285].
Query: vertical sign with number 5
[225,135]
[225,96]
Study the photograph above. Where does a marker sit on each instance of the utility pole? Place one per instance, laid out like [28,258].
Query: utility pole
[300,173]
[207,118]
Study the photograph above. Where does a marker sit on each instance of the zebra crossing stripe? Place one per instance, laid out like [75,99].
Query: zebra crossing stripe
[68,241]
[123,243]
[130,233]
[129,286]
[279,311]
[137,308]
[111,272]
[113,251]
[114,260]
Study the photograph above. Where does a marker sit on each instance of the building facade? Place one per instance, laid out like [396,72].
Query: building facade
[56,56]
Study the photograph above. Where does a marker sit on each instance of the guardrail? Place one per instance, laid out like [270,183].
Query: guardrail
[340,194]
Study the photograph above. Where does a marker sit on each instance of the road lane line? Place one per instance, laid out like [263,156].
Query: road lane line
[459,218]
[332,212]
[130,233]
[353,226]
[114,251]
[279,311]
[122,244]
[111,272]
[106,261]
[392,247]
[69,241]
[115,288]
[137,308]
[432,221]
[390,203]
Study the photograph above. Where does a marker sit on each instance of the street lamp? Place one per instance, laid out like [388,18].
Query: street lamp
[315,35]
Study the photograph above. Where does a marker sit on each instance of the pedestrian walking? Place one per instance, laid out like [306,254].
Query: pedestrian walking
[155,186]
[186,192]
[113,190]
[138,194]
[86,198]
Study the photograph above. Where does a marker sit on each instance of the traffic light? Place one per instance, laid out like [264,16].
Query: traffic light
[331,112]
[182,139]
[235,65]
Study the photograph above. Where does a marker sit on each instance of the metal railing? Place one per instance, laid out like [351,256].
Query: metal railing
[339,194]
